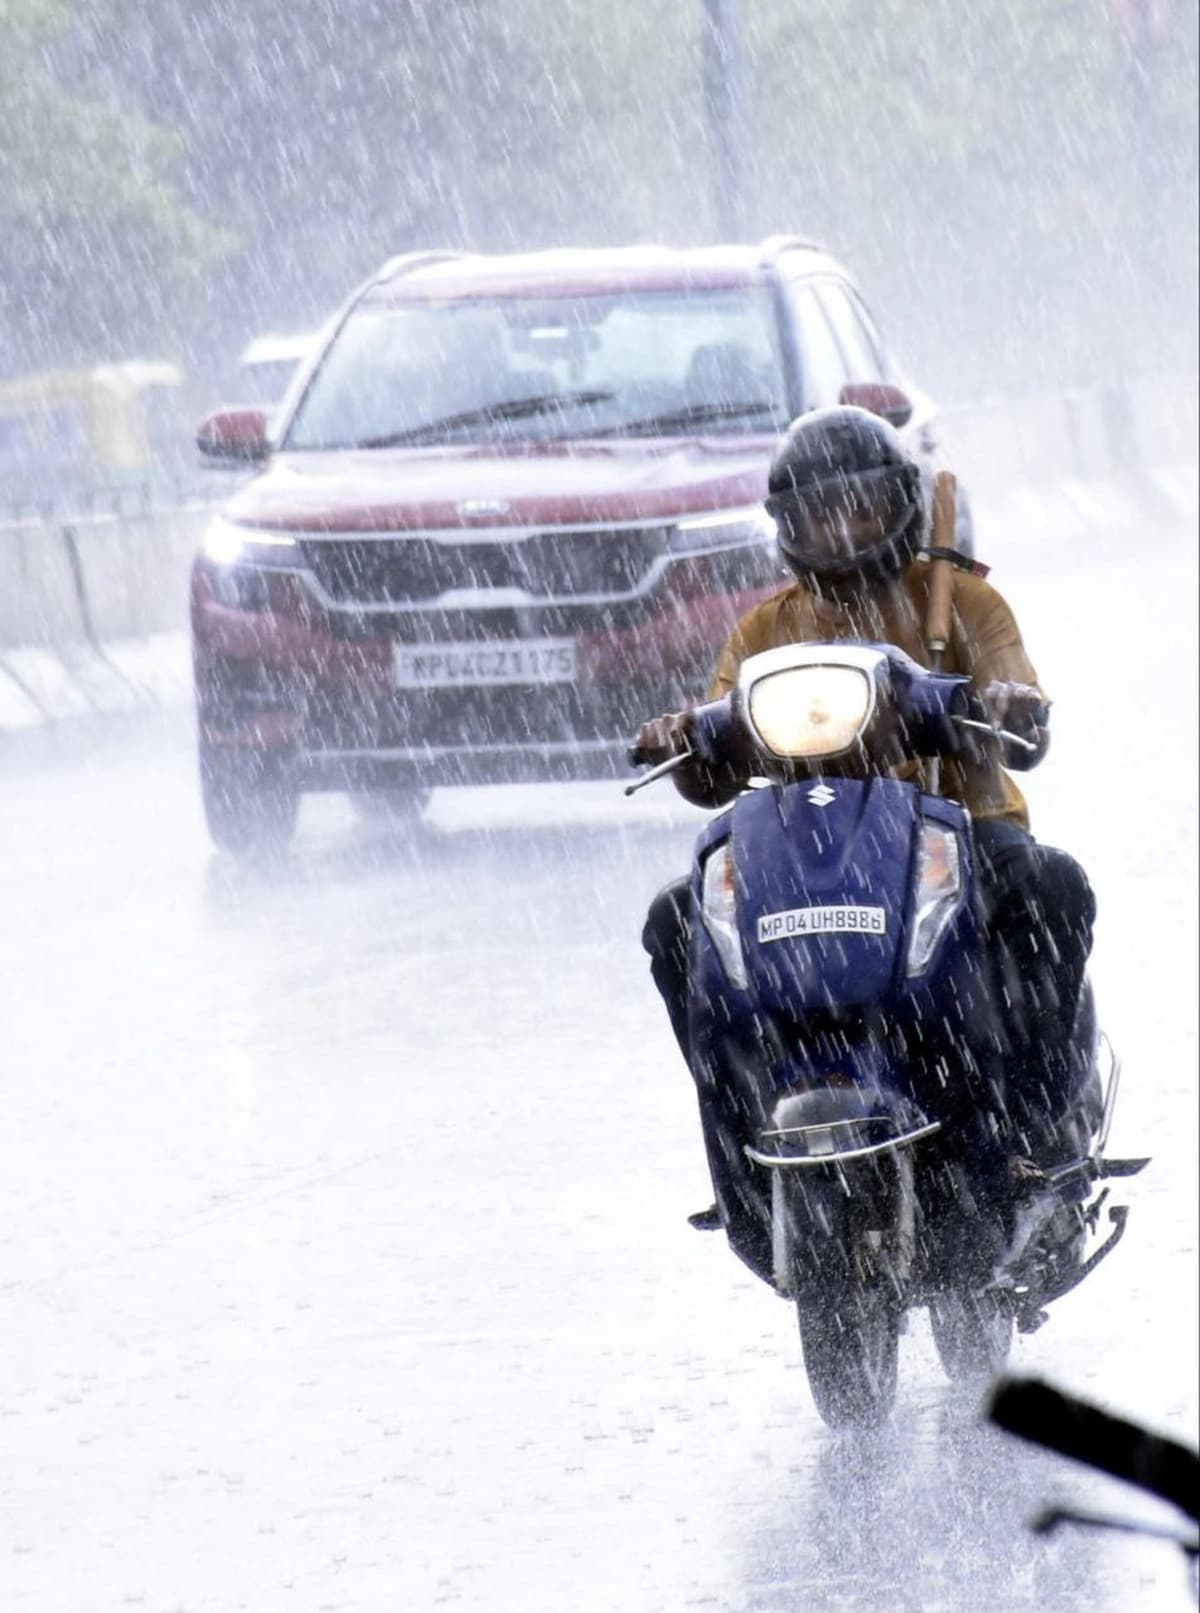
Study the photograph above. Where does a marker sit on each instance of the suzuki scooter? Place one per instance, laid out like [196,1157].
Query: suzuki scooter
[842,1029]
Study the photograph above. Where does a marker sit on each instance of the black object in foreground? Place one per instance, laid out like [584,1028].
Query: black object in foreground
[1075,1428]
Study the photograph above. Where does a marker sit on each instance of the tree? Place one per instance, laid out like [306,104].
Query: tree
[92,228]
[973,164]
[976,163]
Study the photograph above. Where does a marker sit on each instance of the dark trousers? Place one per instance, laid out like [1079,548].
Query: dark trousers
[1038,912]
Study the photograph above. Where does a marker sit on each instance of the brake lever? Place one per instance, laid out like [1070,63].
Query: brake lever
[996,733]
[660,771]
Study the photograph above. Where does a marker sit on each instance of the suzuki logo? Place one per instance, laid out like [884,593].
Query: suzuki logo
[820,795]
[472,509]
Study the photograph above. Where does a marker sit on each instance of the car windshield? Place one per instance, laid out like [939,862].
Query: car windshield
[525,369]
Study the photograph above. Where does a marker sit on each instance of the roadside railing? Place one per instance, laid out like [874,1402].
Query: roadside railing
[141,497]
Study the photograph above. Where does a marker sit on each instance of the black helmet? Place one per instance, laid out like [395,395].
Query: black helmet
[845,495]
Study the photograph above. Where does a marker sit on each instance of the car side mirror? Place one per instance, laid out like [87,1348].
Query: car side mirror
[237,436]
[892,403]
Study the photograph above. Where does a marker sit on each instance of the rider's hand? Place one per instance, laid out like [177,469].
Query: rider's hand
[663,737]
[1018,707]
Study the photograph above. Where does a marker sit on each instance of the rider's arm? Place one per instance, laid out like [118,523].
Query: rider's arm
[760,628]
[730,659]
[696,781]
[1000,670]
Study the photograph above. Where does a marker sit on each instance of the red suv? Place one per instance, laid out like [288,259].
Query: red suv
[510,507]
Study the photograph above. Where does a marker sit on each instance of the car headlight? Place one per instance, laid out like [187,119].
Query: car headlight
[938,891]
[722,529]
[227,544]
[719,908]
[808,712]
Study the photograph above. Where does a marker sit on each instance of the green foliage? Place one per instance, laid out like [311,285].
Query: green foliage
[990,170]
[91,225]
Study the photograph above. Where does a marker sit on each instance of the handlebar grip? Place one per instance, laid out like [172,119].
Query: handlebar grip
[1075,1428]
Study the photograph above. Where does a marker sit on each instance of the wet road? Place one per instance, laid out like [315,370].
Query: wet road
[343,1260]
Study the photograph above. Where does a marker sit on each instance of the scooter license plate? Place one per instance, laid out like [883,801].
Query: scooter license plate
[840,920]
[468,665]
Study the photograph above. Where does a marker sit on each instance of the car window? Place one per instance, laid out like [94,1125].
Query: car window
[524,368]
[865,319]
[864,360]
[823,370]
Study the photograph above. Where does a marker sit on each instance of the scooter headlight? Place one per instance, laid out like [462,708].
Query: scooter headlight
[807,712]
[719,907]
[938,892]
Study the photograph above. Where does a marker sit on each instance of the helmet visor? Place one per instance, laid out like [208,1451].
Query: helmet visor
[832,522]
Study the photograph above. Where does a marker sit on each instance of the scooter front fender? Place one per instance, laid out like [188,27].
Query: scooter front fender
[842,1192]
[835,1125]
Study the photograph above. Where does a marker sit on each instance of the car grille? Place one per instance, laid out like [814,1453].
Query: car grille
[562,564]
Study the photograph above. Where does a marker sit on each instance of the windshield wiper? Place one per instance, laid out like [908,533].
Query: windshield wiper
[512,409]
[696,414]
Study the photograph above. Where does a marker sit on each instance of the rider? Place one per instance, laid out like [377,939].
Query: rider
[845,495]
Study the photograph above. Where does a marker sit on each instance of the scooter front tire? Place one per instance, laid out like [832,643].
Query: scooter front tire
[851,1345]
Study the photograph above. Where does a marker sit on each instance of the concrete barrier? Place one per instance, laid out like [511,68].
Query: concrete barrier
[135,572]
[1105,433]
[40,594]
[95,578]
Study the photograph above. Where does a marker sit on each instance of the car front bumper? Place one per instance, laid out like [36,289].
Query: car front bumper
[323,692]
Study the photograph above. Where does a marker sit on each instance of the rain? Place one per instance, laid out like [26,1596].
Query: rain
[387,396]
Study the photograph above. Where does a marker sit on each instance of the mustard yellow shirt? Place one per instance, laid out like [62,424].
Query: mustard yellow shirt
[985,645]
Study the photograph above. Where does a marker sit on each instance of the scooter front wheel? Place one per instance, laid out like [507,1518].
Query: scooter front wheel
[851,1345]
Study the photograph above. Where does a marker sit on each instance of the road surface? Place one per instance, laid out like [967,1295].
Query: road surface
[343,1249]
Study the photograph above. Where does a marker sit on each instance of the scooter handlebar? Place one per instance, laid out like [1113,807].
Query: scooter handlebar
[671,765]
[1075,1428]
[708,728]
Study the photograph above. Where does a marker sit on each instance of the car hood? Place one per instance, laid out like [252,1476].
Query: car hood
[394,490]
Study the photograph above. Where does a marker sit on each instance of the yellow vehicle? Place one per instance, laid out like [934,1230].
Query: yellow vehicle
[80,430]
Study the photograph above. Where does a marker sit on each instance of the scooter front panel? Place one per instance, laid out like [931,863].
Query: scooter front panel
[822,882]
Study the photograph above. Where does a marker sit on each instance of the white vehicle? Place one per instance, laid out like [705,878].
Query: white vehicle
[268,364]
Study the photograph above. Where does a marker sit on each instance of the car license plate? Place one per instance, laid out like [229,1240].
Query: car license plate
[457,666]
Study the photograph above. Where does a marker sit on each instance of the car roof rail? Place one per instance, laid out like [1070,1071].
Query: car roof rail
[775,245]
[404,262]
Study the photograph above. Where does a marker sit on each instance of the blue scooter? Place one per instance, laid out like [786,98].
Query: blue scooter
[850,1088]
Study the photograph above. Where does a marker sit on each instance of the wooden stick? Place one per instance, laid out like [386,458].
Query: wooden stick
[941,583]
[941,591]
